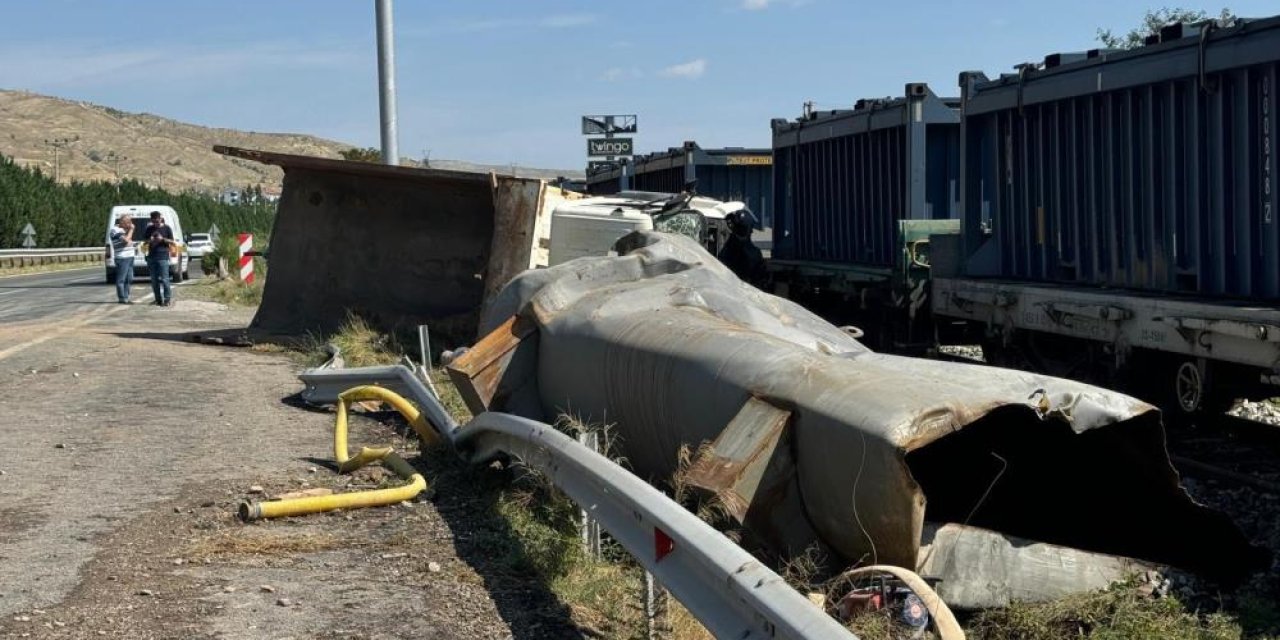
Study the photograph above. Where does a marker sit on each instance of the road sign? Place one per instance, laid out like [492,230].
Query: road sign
[600,165]
[609,147]
[608,125]
[28,234]
[213,233]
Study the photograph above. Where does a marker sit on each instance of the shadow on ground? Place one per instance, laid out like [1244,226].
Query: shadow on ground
[466,497]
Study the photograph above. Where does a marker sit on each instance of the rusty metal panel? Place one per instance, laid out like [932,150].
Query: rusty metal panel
[522,228]
[478,373]
[399,246]
[667,345]
[750,472]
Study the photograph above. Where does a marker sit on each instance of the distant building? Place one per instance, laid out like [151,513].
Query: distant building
[229,196]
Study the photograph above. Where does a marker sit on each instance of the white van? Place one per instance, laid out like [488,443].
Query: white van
[179,259]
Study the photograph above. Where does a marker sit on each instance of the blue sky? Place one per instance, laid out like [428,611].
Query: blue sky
[506,81]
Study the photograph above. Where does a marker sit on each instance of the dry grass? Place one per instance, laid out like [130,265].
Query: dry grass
[363,346]
[265,541]
[1119,612]
[229,292]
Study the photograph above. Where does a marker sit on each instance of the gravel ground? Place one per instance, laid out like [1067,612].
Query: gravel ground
[124,455]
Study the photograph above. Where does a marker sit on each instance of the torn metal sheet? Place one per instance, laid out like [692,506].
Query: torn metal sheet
[978,569]
[664,343]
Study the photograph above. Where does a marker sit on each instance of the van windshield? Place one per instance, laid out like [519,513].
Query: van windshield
[140,225]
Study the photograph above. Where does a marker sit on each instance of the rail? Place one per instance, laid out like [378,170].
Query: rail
[34,257]
[63,251]
[726,588]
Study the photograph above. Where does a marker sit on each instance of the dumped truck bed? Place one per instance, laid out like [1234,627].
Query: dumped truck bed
[806,435]
[400,246]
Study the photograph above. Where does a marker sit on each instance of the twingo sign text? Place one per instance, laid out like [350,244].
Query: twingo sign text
[597,147]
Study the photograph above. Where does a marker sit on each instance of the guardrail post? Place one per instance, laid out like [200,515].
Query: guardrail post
[655,609]
[589,527]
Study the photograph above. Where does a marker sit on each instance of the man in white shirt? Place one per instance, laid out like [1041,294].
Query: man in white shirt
[122,247]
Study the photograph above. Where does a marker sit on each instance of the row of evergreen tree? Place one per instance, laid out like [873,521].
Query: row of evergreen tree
[75,214]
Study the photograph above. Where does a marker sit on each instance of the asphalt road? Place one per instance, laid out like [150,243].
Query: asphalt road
[60,294]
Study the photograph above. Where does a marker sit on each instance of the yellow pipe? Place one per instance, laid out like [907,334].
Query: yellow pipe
[348,463]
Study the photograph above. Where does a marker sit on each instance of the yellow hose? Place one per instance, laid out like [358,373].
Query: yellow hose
[347,464]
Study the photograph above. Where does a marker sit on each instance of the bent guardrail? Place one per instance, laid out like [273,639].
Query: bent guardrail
[726,588]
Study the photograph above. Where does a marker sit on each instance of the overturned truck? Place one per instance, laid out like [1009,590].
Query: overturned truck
[399,246]
[806,436]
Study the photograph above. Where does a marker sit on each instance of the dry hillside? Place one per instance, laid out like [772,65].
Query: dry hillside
[155,150]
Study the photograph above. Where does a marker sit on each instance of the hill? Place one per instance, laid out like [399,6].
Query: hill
[158,151]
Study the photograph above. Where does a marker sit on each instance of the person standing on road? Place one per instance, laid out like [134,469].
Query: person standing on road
[159,238]
[123,250]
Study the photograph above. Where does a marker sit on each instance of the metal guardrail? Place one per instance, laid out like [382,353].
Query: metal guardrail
[726,588]
[50,253]
[65,255]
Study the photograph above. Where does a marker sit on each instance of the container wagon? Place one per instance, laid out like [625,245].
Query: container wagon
[1119,215]
[608,179]
[857,194]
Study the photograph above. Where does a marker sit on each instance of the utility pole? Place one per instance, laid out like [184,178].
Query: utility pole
[58,144]
[160,175]
[115,164]
[387,81]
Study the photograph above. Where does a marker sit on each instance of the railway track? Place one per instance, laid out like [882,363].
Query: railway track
[1228,448]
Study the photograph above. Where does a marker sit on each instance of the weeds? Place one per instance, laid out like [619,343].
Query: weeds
[230,292]
[1119,612]
[360,344]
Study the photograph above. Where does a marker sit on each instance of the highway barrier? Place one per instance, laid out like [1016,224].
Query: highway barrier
[35,257]
[726,588]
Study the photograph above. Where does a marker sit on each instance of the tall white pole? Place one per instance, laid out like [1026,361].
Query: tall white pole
[387,81]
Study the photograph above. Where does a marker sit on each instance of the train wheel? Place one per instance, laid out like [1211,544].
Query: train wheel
[1195,388]
[1189,388]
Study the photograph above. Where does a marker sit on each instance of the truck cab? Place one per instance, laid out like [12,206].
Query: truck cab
[590,226]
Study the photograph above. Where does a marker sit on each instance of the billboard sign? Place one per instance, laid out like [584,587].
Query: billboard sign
[598,147]
[608,125]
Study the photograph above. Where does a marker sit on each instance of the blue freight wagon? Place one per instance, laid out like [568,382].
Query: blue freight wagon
[1120,215]
[857,194]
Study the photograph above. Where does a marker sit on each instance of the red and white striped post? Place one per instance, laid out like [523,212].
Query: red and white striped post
[246,260]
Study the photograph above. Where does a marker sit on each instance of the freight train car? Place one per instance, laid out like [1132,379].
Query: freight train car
[1119,215]
[609,178]
[857,194]
[728,174]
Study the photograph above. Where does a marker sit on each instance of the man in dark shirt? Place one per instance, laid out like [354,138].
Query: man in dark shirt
[159,237]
